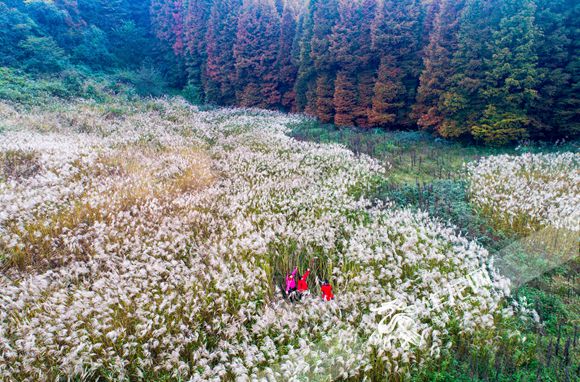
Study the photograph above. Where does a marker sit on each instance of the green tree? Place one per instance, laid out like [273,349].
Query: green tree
[512,76]
[304,87]
[93,50]
[558,47]
[16,27]
[437,68]
[42,55]
[395,37]
[462,103]
[130,44]
[325,14]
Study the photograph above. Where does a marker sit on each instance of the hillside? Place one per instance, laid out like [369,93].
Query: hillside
[149,240]
[289,190]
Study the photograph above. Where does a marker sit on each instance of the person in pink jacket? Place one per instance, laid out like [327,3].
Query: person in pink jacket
[291,281]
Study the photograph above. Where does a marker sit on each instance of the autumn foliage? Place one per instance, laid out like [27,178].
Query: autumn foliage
[492,70]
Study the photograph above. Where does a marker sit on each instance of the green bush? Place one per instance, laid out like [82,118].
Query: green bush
[17,86]
[93,49]
[42,55]
[147,81]
[193,94]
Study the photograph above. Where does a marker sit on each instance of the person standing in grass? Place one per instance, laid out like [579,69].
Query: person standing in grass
[326,290]
[303,284]
[291,283]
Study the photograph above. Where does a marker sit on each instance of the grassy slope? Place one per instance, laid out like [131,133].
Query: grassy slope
[428,173]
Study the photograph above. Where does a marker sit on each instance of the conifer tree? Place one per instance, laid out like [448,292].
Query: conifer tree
[196,19]
[365,92]
[389,93]
[167,20]
[512,76]
[324,16]
[325,98]
[461,102]
[113,12]
[568,102]
[558,106]
[395,36]
[285,60]
[437,65]
[304,87]
[429,10]
[255,52]
[221,37]
[490,69]
[350,48]
[350,42]
[344,99]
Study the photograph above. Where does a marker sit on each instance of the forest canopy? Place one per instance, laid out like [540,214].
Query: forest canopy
[497,71]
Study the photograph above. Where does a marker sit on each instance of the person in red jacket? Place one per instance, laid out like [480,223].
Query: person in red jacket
[303,283]
[326,290]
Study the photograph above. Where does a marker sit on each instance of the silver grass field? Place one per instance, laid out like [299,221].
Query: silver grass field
[147,240]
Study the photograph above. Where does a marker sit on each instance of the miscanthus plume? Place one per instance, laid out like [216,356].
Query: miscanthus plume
[529,191]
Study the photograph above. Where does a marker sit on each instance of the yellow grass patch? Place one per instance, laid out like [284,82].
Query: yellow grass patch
[136,175]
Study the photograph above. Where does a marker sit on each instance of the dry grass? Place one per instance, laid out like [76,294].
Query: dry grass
[133,182]
[18,164]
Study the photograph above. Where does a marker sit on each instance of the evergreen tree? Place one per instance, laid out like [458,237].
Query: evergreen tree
[113,12]
[42,55]
[512,76]
[567,108]
[131,44]
[17,28]
[255,51]
[558,108]
[324,18]
[221,36]
[493,70]
[285,60]
[461,102]
[303,88]
[437,69]
[60,20]
[325,98]
[93,49]
[196,21]
[395,36]
[344,100]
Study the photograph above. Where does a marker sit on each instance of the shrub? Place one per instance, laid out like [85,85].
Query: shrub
[42,55]
[93,50]
[193,94]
